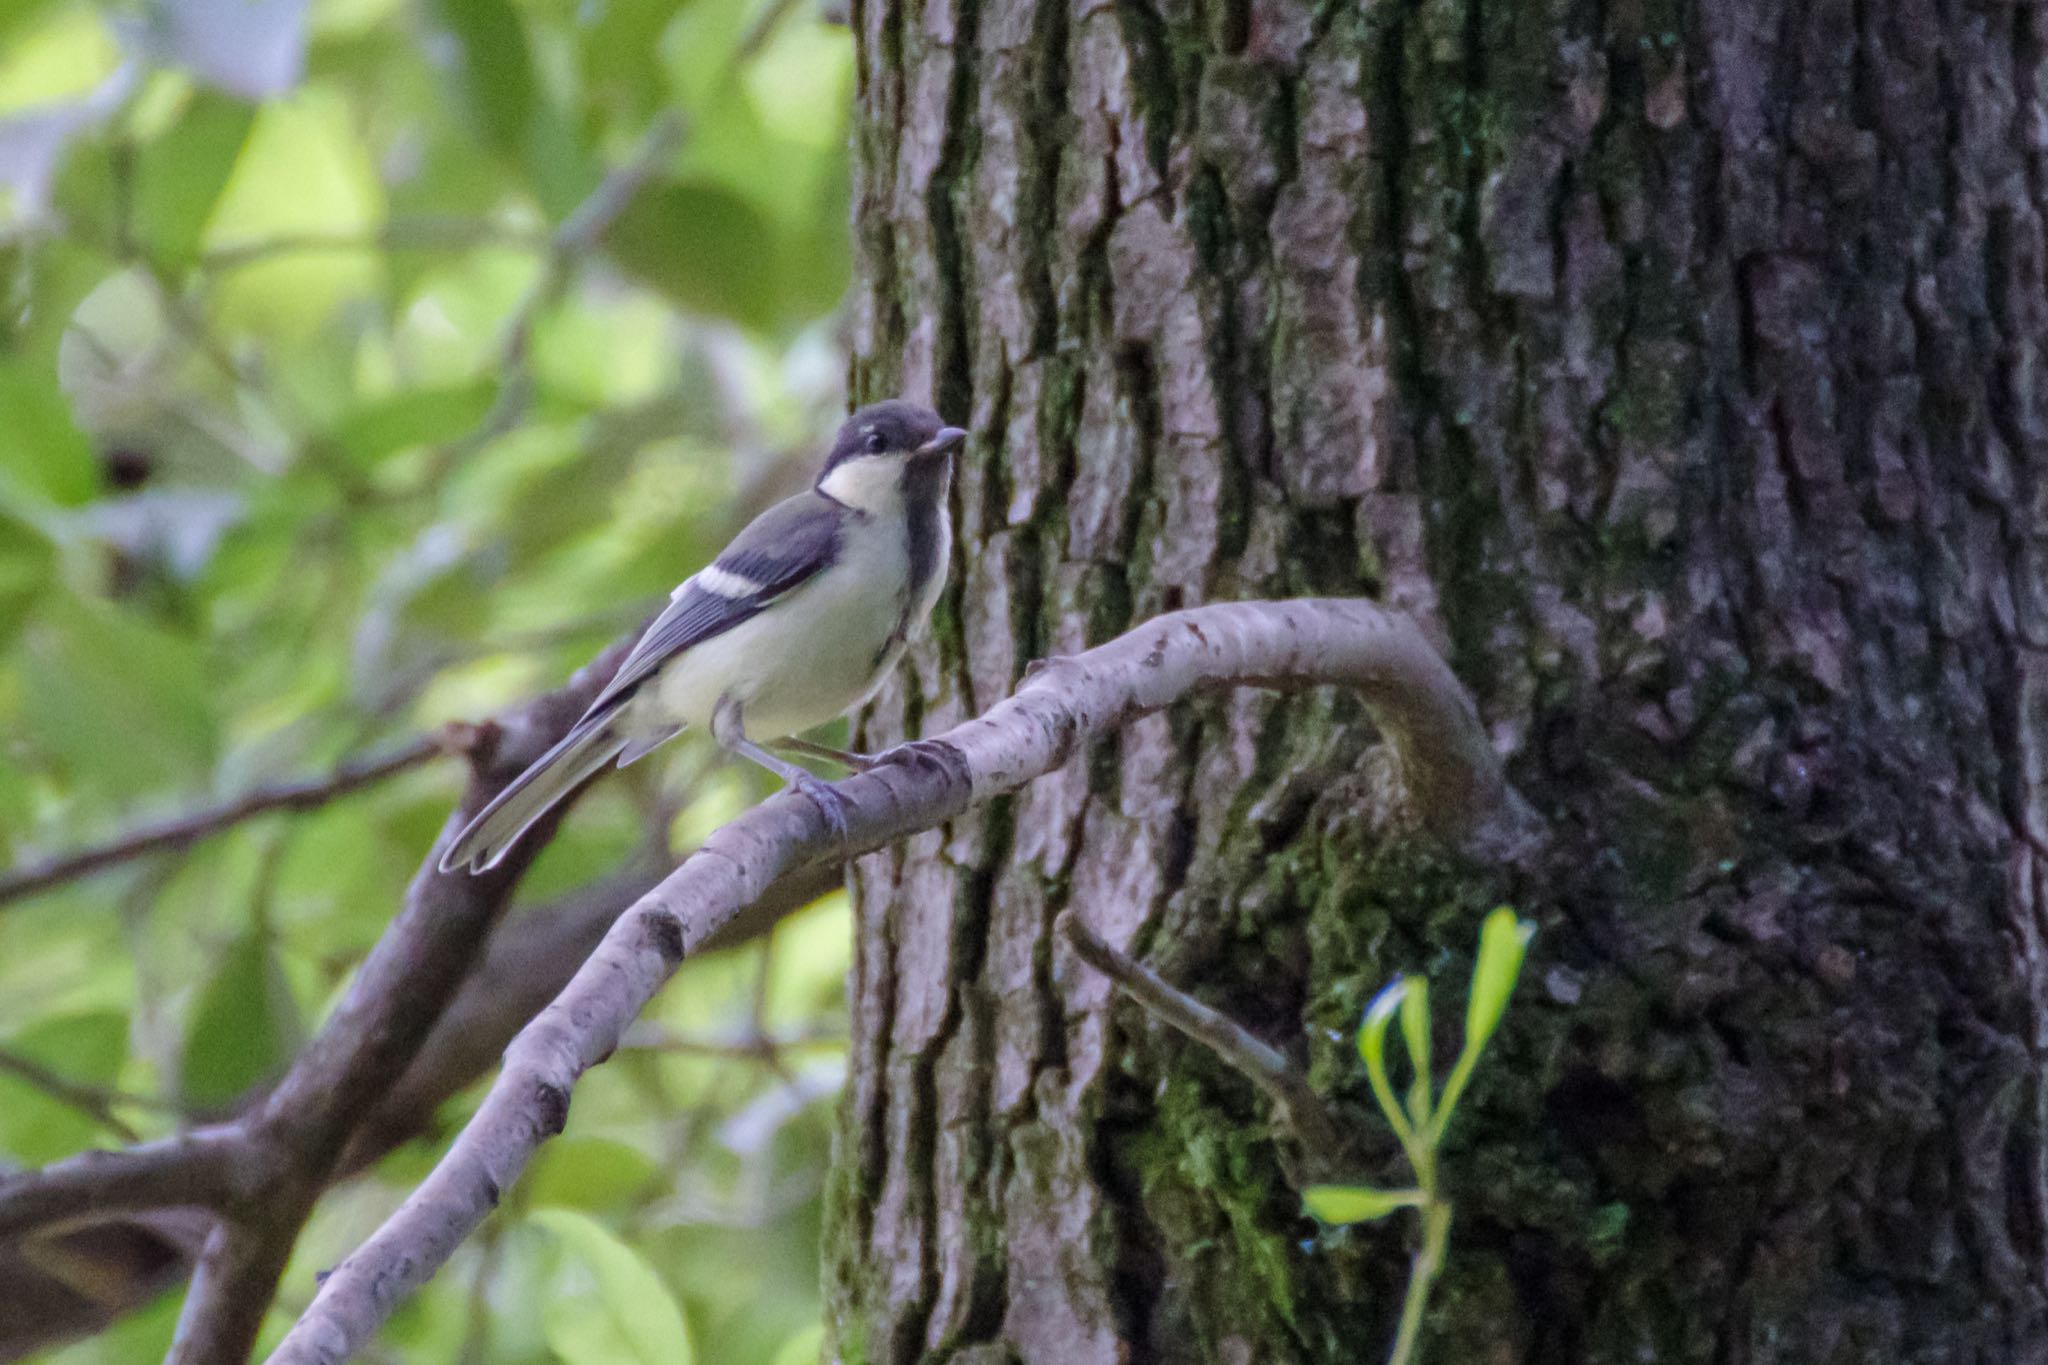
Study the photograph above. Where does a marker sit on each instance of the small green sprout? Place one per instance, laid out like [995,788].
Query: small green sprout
[1420,1121]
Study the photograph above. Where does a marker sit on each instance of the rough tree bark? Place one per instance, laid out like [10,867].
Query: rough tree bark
[1679,365]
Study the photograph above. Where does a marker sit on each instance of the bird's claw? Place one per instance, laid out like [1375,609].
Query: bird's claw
[922,753]
[829,802]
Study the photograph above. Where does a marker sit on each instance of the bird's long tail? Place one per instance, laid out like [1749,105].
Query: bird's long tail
[485,840]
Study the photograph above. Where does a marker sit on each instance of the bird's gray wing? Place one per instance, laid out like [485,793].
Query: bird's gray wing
[776,551]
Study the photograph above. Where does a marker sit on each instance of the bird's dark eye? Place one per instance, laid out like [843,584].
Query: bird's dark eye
[875,443]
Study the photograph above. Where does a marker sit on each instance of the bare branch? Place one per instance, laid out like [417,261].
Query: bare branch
[200,1169]
[300,794]
[1453,778]
[232,1287]
[1264,1066]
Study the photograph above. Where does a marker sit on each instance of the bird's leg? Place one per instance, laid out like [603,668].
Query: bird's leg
[910,753]
[731,736]
[845,758]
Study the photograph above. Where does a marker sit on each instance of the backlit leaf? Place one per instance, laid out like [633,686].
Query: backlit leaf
[1503,942]
[610,1308]
[179,176]
[42,451]
[1356,1203]
[303,173]
[1372,1049]
[1415,1031]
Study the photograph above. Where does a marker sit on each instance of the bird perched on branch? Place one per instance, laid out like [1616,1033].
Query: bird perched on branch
[797,621]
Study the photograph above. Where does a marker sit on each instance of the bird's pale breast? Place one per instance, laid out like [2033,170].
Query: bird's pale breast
[814,655]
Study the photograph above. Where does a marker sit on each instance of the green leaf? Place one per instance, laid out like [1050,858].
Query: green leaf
[42,451]
[83,1049]
[19,14]
[64,52]
[119,702]
[27,563]
[244,1028]
[807,1347]
[414,417]
[1415,1032]
[632,1316]
[820,260]
[1356,1203]
[304,170]
[1372,1047]
[621,57]
[179,177]
[496,69]
[1503,942]
[704,246]
[590,1173]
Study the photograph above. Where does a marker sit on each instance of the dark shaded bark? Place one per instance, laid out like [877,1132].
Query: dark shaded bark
[1679,366]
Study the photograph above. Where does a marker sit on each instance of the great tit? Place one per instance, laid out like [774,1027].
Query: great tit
[797,621]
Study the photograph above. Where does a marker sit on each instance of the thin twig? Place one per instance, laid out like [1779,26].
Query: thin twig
[94,1102]
[1453,782]
[300,794]
[1264,1066]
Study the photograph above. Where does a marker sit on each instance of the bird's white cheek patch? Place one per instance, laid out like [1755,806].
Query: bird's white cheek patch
[723,583]
[869,483]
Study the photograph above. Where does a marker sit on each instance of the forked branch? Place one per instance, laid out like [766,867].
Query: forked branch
[1453,782]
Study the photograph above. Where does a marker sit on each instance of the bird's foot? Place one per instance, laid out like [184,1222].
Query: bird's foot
[924,753]
[829,802]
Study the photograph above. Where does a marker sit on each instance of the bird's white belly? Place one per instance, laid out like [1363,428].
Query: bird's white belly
[805,660]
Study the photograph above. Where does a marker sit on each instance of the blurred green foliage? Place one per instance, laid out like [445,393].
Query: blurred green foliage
[317,431]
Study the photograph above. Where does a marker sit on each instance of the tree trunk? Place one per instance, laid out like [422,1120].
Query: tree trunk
[1679,367]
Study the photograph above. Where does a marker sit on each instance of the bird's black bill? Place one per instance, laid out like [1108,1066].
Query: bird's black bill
[948,440]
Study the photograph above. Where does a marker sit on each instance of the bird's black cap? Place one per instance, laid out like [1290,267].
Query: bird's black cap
[894,426]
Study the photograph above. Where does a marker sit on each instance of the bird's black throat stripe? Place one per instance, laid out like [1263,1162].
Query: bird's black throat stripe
[924,492]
